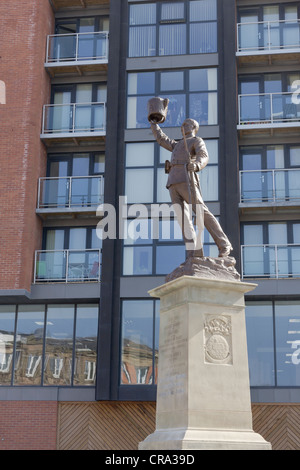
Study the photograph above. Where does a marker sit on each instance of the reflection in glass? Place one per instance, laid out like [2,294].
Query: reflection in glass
[29,345]
[59,345]
[7,336]
[86,344]
[176,111]
[137,342]
[204,108]
[259,327]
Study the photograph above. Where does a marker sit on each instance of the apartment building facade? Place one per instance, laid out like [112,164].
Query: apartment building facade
[79,332]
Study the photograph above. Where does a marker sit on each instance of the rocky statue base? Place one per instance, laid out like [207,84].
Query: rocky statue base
[205,267]
[203,392]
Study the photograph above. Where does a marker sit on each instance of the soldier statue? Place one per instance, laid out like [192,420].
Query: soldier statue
[189,156]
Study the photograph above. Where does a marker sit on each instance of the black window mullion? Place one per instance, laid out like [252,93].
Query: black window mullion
[14,346]
[274,343]
[44,344]
[74,346]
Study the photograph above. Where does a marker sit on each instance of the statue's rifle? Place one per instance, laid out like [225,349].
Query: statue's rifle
[189,179]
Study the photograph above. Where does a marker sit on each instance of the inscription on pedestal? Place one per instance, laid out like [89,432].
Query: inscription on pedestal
[172,367]
[218,339]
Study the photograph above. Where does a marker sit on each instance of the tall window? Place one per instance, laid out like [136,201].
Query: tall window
[273,342]
[191,94]
[48,345]
[173,28]
[140,335]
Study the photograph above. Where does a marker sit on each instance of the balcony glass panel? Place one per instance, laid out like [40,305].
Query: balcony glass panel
[83,265]
[74,117]
[71,191]
[76,47]
[50,265]
[269,108]
[271,261]
[269,35]
[68,265]
[270,185]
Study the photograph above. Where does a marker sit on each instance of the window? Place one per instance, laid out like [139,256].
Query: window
[173,28]
[48,345]
[145,178]
[156,247]
[191,94]
[260,338]
[140,335]
[278,179]
[273,342]
[271,249]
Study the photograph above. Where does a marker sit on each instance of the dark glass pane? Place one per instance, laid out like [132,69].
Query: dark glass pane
[86,345]
[29,345]
[7,332]
[59,345]
[137,342]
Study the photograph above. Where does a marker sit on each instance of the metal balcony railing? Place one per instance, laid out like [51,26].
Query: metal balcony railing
[77,47]
[67,265]
[74,118]
[273,109]
[270,261]
[270,186]
[70,192]
[268,36]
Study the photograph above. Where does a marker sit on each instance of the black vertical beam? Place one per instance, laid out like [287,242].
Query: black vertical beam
[228,162]
[109,319]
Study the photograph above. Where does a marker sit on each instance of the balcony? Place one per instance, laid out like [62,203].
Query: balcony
[73,121]
[67,266]
[73,196]
[272,190]
[60,4]
[268,42]
[77,53]
[270,261]
[269,112]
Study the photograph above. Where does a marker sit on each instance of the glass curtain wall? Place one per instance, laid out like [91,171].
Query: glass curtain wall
[273,339]
[48,345]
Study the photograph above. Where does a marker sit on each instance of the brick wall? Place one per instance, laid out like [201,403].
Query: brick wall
[28,425]
[22,155]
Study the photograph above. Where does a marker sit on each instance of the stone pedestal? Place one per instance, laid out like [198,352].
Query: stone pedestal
[203,392]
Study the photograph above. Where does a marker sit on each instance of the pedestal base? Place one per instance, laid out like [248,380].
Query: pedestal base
[203,391]
[204,439]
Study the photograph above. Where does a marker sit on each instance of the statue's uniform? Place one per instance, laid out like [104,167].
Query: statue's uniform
[181,192]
